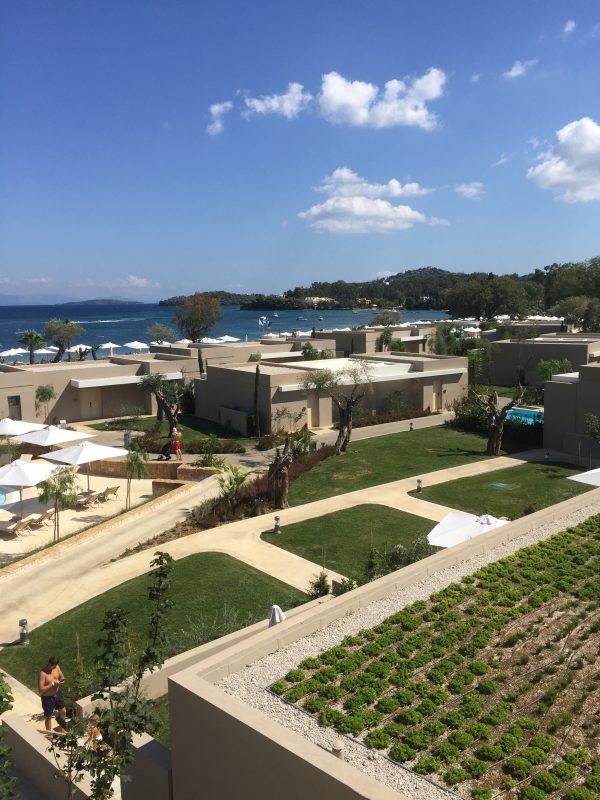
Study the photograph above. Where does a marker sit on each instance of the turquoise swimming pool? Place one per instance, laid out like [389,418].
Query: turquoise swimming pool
[527,416]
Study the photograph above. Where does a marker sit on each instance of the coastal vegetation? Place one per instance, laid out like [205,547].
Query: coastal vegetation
[62,334]
[570,289]
[490,685]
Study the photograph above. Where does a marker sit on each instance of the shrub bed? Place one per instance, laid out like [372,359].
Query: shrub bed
[389,416]
[436,686]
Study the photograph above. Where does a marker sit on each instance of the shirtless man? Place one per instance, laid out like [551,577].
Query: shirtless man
[49,682]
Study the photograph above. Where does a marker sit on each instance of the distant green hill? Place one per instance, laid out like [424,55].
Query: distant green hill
[103,302]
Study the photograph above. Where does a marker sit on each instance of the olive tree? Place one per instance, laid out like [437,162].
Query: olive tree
[346,386]
[44,394]
[495,416]
[167,394]
[197,315]
[61,334]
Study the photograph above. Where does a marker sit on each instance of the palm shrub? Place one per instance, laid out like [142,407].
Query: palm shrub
[59,489]
[135,465]
[43,395]
[31,340]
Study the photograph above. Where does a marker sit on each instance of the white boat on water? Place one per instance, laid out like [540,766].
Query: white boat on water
[275,314]
[302,319]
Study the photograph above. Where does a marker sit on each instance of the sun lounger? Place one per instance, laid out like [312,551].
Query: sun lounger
[39,520]
[110,491]
[21,526]
[89,500]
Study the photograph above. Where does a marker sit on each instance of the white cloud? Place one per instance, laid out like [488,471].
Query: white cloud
[569,27]
[344,182]
[217,112]
[356,206]
[475,77]
[386,273]
[141,283]
[472,191]
[504,159]
[345,102]
[288,105]
[18,279]
[520,68]
[572,167]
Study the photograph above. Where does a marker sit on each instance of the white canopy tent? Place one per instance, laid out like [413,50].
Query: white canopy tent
[85,453]
[183,341]
[77,347]
[457,527]
[226,339]
[592,477]
[50,435]
[23,474]
[44,351]
[208,340]
[136,345]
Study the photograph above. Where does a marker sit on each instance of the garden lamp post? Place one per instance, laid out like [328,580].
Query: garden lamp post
[277,524]
[419,485]
[24,632]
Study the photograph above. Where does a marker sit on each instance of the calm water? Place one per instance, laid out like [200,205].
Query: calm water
[121,324]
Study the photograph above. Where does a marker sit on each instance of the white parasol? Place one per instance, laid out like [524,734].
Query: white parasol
[85,453]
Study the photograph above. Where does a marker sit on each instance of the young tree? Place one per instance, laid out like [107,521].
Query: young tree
[278,481]
[546,368]
[386,318]
[31,340]
[346,387]
[197,315]
[7,782]
[136,468]
[161,333]
[61,334]
[124,712]
[59,489]
[495,416]
[44,394]
[167,395]
[386,338]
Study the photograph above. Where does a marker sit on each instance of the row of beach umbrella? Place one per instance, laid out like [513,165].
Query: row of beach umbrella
[22,474]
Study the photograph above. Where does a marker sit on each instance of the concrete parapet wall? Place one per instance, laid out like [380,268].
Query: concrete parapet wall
[149,776]
[239,753]
[258,744]
[159,470]
[30,754]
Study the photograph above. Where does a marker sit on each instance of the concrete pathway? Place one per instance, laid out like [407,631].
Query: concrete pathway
[52,583]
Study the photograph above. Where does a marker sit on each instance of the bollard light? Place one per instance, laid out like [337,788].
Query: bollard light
[547,455]
[419,485]
[24,632]
[277,525]
[410,426]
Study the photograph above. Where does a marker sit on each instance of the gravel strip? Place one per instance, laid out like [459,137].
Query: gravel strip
[249,684]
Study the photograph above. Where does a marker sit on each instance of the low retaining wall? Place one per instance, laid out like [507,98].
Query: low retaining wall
[165,470]
[149,776]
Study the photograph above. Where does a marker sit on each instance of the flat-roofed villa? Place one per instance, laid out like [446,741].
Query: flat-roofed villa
[226,395]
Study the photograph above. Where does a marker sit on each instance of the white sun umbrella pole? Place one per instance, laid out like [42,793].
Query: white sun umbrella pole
[85,453]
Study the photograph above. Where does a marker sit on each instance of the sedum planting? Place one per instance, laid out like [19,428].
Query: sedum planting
[492,687]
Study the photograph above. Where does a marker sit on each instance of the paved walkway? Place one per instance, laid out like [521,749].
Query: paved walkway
[32,590]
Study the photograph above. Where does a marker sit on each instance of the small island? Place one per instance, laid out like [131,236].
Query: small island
[103,302]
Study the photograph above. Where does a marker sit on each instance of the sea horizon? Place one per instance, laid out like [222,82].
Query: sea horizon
[122,323]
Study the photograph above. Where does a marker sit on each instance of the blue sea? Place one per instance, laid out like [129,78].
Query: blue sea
[119,324]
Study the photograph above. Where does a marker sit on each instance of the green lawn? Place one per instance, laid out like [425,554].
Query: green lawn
[510,492]
[388,458]
[503,391]
[213,593]
[191,427]
[341,541]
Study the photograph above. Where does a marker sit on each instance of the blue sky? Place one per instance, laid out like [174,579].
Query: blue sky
[346,139]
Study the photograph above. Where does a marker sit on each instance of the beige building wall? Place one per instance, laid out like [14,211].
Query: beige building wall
[514,360]
[567,400]
[19,383]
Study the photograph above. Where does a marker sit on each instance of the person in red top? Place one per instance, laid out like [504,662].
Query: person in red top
[177,445]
